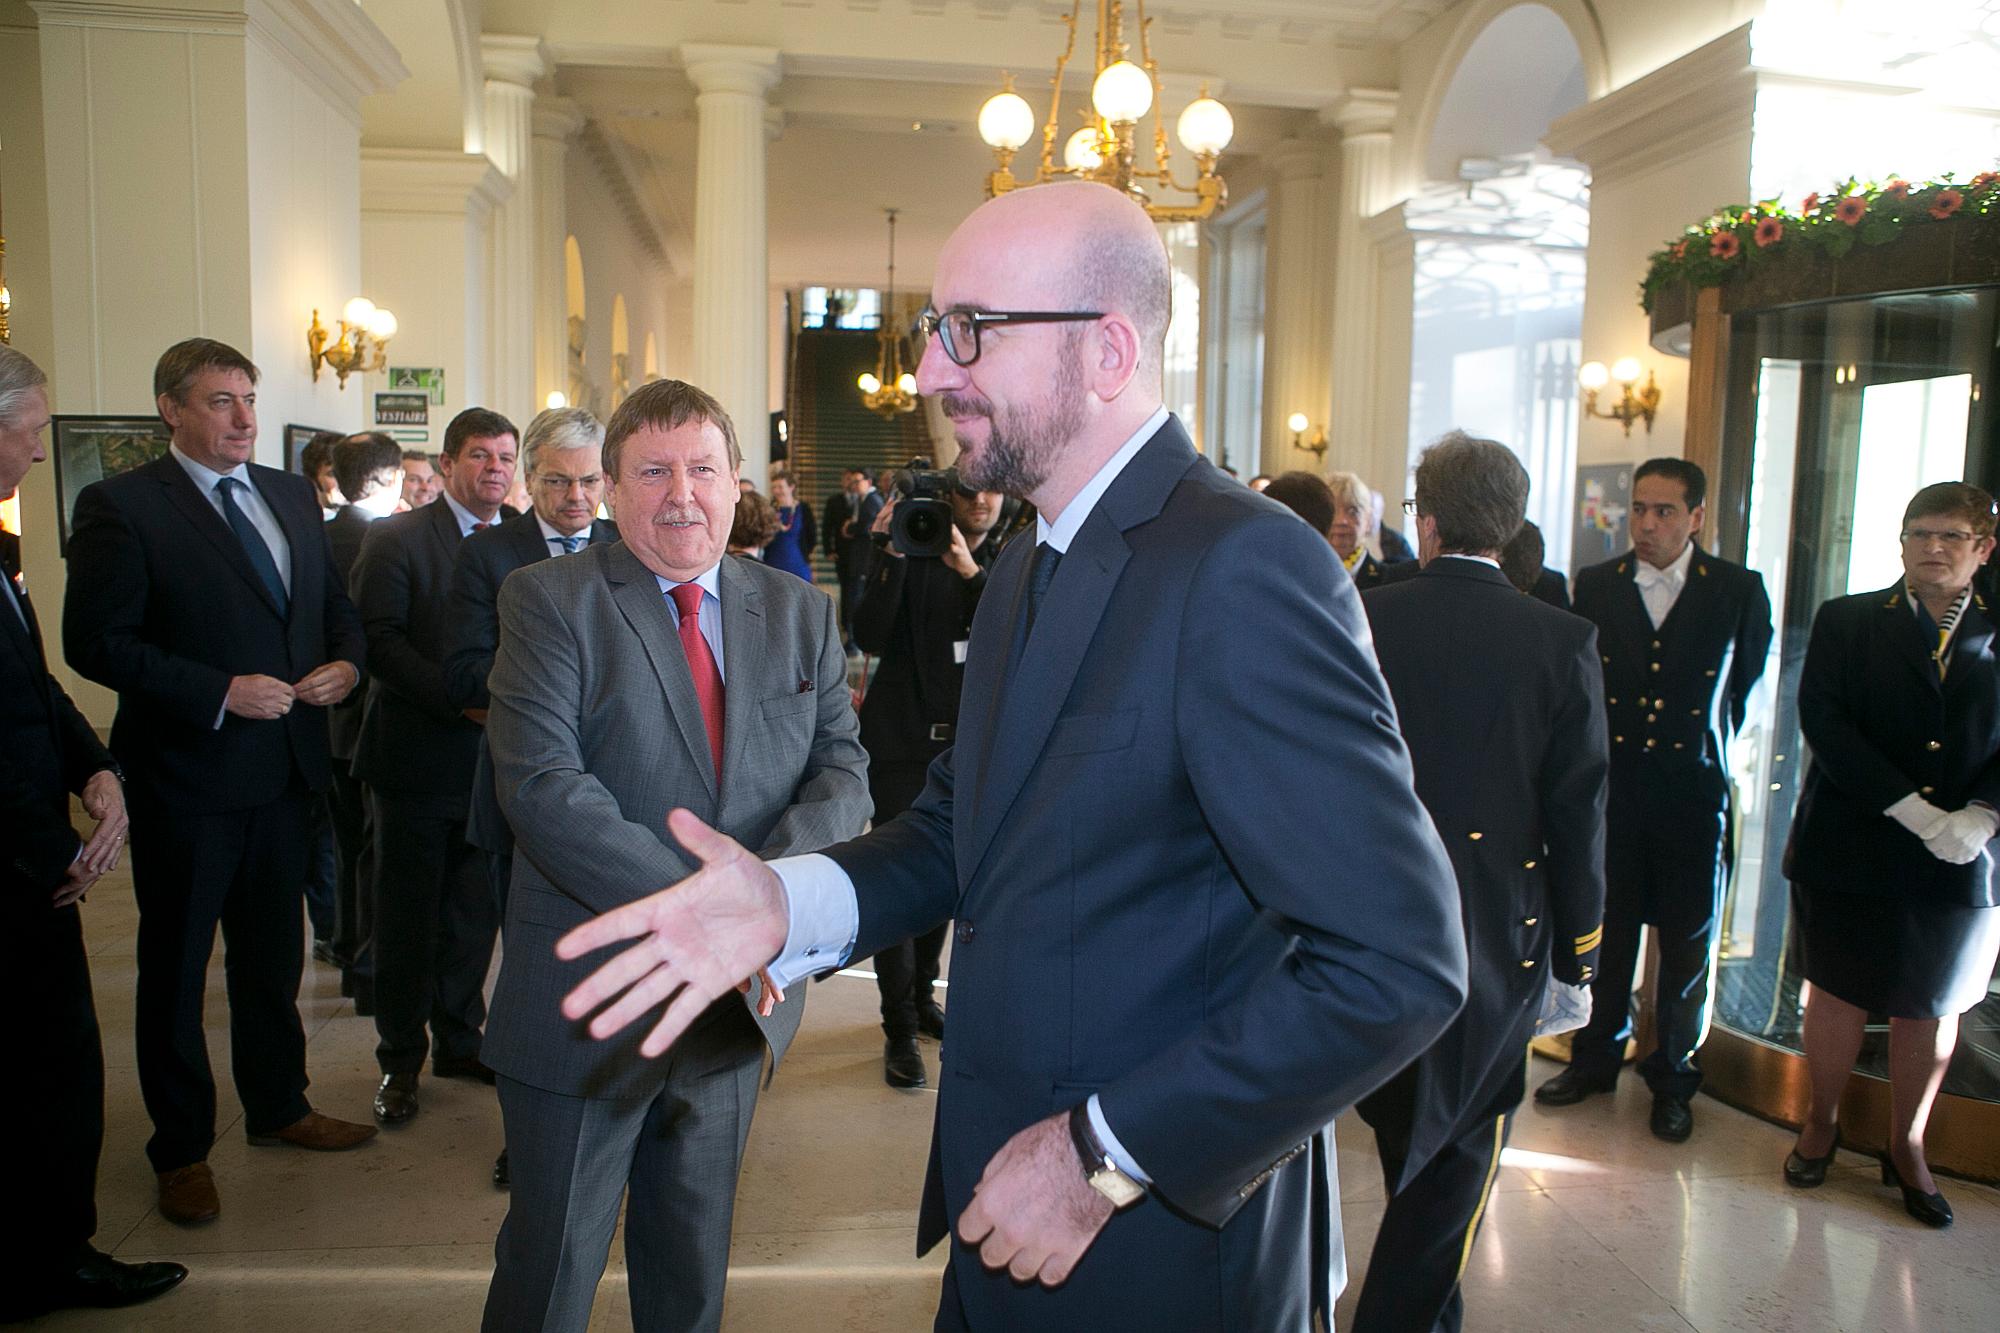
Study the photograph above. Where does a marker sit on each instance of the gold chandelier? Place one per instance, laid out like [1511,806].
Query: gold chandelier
[1106,149]
[889,389]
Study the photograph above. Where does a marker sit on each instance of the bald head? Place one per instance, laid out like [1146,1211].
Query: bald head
[1074,245]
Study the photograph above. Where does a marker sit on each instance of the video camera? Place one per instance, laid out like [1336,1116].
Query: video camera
[921,523]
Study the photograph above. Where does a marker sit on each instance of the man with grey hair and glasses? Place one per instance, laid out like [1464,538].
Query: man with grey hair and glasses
[1502,705]
[564,449]
[52,754]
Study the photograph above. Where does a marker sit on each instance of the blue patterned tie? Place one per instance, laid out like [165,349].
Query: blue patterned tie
[253,541]
[571,545]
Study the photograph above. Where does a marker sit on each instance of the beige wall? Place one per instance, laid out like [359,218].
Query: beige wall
[614,264]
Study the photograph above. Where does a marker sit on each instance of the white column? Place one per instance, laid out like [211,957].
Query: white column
[731,259]
[556,123]
[1366,175]
[512,66]
[1295,354]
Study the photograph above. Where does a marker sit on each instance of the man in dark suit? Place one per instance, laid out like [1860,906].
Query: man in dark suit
[202,590]
[368,467]
[564,461]
[435,917]
[1161,995]
[915,614]
[1501,702]
[1683,636]
[57,1119]
[854,544]
[632,678]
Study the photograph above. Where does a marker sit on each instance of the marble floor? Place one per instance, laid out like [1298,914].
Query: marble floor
[1594,1225]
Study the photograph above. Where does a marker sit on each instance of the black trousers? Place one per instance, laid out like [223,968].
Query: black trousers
[1429,1228]
[354,858]
[322,873]
[906,971]
[1663,867]
[435,924]
[54,1121]
[242,870]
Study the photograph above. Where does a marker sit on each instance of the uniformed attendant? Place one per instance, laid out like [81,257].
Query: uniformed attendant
[1683,637]
[1892,877]
[1501,703]
[1353,516]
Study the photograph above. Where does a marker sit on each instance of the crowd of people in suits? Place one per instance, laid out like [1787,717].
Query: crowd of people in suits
[526,721]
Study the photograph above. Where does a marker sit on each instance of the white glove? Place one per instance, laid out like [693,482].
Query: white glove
[1917,815]
[1565,1008]
[1963,835]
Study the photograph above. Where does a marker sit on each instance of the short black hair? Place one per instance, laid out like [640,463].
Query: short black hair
[318,452]
[358,458]
[476,423]
[174,373]
[1307,495]
[1694,482]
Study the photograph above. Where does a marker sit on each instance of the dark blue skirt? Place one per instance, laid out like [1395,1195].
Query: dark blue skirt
[1894,956]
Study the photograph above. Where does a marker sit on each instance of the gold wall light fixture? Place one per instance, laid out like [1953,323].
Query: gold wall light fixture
[888,389]
[1315,444]
[1634,404]
[361,346]
[1107,148]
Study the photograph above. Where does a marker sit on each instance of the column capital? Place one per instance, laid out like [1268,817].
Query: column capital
[749,70]
[557,118]
[1362,111]
[516,60]
[422,180]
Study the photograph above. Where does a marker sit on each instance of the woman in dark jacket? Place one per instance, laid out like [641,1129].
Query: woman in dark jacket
[1892,876]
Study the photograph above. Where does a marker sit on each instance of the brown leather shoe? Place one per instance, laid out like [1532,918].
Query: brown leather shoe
[317,1133]
[187,1195]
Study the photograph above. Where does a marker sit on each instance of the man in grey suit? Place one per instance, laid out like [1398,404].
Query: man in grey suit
[631,679]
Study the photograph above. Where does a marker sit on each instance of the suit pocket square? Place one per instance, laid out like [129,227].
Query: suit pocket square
[805,687]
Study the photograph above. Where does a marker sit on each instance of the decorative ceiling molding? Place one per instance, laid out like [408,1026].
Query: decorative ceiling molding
[1681,108]
[428,180]
[621,176]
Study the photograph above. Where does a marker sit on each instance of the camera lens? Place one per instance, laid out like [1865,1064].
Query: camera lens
[923,528]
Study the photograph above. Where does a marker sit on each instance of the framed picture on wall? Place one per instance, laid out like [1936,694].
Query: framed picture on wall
[1603,514]
[89,449]
[296,440]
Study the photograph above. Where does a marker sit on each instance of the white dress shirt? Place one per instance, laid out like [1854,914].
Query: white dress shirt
[1659,588]
[467,520]
[249,501]
[825,917]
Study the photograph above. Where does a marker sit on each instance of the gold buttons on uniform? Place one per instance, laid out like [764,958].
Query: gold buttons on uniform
[1529,920]
[1656,667]
[1709,674]
[1929,790]
[1619,739]
[1527,962]
[1649,742]
[1475,836]
[1694,712]
[1679,746]
[1656,643]
[1607,661]
[1933,745]
[1611,701]
[1659,703]
[1652,717]
[1528,865]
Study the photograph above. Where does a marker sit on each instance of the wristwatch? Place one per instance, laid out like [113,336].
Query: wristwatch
[1106,1179]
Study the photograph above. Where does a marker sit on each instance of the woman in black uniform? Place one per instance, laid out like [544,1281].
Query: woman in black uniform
[1892,876]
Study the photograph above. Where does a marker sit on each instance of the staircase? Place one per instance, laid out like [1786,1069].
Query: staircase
[830,429]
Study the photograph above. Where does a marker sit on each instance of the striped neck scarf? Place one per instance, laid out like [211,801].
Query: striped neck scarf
[1947,625]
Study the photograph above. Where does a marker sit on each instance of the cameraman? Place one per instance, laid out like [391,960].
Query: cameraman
[915,614]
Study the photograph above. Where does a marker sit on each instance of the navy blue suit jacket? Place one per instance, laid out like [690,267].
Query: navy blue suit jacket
[164,607]
[1190,873]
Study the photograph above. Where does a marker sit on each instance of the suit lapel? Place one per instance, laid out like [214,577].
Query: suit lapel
[1905,632]
[743,658]
[639,599]
[1971,645]
[526,535]
[297,537]
[203,518]
[21,631]
[444,530]
[1041,670]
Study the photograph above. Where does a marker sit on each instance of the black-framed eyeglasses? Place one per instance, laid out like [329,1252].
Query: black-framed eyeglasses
[958,328]
[1951,537]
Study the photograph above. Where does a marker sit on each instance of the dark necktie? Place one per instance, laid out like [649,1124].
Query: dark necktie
[701,665]
[254,546]
[1040,576]
[478,526]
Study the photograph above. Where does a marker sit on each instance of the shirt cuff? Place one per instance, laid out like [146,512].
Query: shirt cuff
[823,915]
[1114,1151]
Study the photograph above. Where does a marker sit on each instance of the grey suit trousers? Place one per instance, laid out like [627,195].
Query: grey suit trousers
[680,1150]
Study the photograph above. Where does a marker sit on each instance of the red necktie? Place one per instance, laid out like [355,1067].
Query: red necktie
[701,665]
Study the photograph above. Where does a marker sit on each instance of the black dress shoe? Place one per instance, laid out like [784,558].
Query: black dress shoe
[99,1282]
[1809,1173]
[396,1099]
[930,1020]
[461,1066]
[501,1180]
[902,1067]
[1570,1087]
[323,953]
[1930,1209]
[1672,1119]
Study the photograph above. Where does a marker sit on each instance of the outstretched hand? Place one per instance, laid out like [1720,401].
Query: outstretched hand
[695,941]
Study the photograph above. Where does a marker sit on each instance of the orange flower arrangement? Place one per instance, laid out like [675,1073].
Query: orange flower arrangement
[1724,245]
[1851,209]
[1810,203]
[1946,203]
[1896,190]
[1769,232]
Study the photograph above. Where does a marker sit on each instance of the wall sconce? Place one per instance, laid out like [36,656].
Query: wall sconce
[1633,404]
[1316,446]
[556,399]
[360,347]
